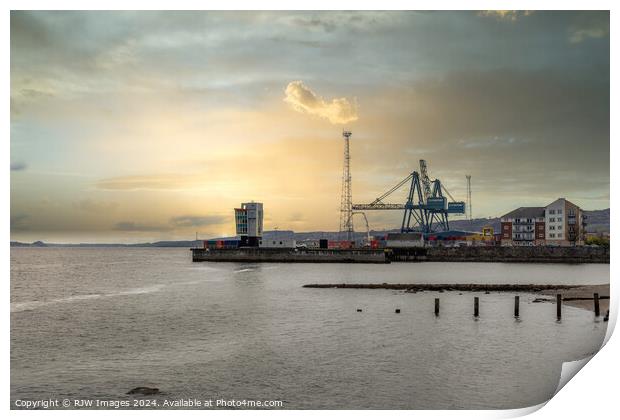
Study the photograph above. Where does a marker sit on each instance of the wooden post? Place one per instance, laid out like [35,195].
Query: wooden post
[558,301]
[436,306]
[476,306]
[516,306]
[597,308]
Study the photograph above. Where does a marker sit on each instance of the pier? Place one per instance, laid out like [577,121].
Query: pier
[295,255]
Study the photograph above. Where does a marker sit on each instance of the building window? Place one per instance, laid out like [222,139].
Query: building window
[559,211]
[506,227]
[551,211]
[552,219]
[552,235]
[551,227]
[560,227]
[529,220]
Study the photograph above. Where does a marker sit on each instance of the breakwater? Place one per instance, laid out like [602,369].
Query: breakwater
[413,287]
[513,254]
[538,254]
[365,256]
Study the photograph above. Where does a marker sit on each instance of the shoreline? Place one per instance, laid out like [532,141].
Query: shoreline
[582,296]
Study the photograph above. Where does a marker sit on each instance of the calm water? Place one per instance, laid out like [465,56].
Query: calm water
[94,323]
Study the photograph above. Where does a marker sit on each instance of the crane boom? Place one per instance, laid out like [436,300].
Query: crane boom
[426,182]
[378,201]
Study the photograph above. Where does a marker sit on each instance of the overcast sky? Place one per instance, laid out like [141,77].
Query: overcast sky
[132,126]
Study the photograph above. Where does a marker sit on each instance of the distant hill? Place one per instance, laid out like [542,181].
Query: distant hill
[597,221]
[159,244]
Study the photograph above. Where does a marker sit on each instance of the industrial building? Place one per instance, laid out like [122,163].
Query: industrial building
[405,240]
[277,243]
[249,223]
[560,223]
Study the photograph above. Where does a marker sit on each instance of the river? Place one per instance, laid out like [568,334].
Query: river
[93,323]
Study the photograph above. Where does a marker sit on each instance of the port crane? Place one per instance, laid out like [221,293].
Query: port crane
[426,209]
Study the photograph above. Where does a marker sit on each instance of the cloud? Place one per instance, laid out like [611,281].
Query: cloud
[93,206]
[19,221]
[297,217]
[578,35]
[304,100]
[148,182]
[138,227]
[507,15]
[18,166]
[174,223]
[191,221]
[589,26]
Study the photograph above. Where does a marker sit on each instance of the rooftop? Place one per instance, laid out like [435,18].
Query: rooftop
[526,213]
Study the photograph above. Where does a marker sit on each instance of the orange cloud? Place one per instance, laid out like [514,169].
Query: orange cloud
[304,100]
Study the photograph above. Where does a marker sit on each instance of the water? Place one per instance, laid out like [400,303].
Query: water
[95,323]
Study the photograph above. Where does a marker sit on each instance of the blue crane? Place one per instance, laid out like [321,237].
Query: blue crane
[426,209]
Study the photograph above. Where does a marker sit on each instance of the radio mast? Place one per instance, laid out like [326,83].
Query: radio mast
[346,206]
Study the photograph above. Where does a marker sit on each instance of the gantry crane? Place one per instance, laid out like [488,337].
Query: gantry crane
[426,209]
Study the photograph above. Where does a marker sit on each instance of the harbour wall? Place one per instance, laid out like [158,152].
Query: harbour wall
[370,256]
[539,254]
[525,254]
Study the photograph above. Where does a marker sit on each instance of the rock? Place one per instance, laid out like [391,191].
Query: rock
[144,390]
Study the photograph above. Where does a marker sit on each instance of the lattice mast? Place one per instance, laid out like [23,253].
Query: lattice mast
[346,205]
[469,195]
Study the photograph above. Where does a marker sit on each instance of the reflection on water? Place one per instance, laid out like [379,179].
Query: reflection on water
[94,323]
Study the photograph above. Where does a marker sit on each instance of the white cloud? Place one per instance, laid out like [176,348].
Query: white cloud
[580,35]
[304,100]
[510,15]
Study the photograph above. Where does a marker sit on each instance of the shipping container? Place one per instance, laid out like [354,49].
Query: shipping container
[333,244]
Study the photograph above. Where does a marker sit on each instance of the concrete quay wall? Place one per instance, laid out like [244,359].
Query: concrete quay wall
[371,256]
[533,254]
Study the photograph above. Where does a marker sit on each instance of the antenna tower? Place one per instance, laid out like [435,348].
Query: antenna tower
[346,206]
[469,195]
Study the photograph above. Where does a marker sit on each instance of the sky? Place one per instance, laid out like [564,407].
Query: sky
[143,126]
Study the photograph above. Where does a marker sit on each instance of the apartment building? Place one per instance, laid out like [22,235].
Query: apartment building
[524,226]
[560,223]
[564,223]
